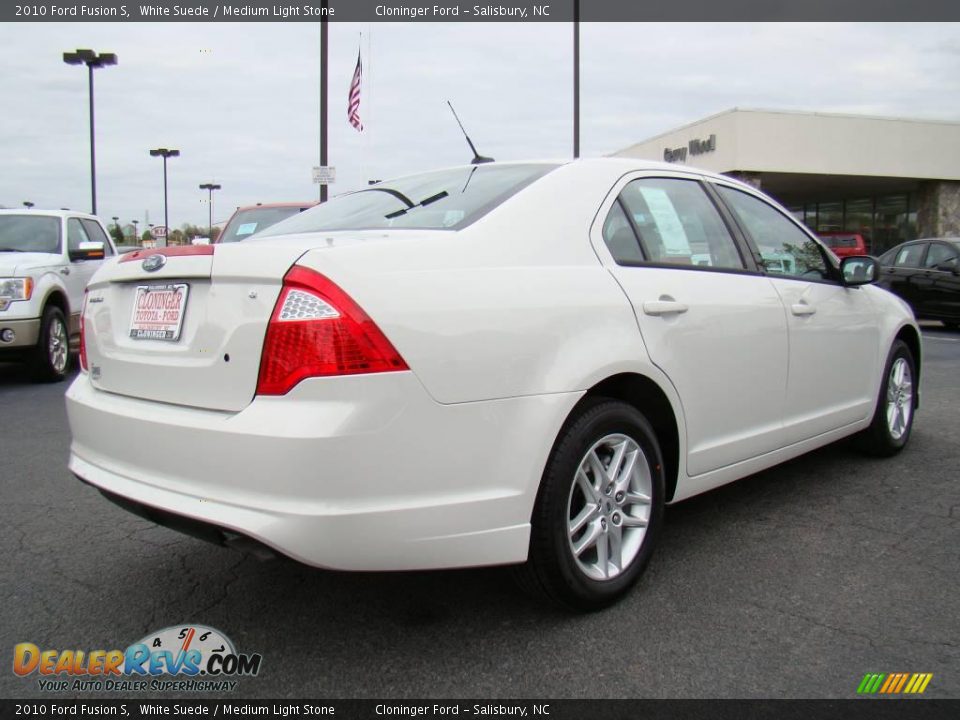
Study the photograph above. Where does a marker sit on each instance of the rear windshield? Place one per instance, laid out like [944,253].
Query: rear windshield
[29,233]
[440,200]
[247,222]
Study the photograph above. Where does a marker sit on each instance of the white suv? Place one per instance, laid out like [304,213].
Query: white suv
[47,257]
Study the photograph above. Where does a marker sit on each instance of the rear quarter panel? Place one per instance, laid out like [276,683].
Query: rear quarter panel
[516,304]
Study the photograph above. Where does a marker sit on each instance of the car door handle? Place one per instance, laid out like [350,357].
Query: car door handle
[65,271]
[801,309]
[664,307]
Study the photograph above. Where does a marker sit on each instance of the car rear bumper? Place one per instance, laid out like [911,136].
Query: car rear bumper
[356,473]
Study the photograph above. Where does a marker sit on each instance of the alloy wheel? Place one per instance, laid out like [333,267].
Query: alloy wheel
[899,398]
[57,348]
[609,506]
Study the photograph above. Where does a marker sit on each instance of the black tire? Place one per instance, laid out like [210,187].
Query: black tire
[879,439]
[46,364]
[552,570]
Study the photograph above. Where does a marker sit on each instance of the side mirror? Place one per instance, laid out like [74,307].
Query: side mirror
[949,266]
[857,270]
[88,251]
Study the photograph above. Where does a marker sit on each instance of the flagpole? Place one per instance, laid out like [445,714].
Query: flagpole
[576,78]
[324,57]
[369,98]
[363,140]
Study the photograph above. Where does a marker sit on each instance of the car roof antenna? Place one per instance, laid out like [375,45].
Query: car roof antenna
[477,157]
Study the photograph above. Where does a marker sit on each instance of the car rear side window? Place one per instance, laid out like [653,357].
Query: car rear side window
[938,254]
[910,256]
[785,249]
[620,238]
[677,224]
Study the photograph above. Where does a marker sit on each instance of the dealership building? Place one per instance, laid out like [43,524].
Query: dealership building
[889,179]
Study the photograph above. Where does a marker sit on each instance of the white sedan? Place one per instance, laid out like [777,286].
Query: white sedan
[505,363]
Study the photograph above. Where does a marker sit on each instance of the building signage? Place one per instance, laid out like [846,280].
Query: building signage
[324,174]
[694,147]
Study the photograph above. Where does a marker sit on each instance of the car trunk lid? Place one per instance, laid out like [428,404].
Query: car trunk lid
[185,325]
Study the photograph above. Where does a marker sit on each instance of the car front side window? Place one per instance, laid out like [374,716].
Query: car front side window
[910,256]
[95,233]
[784,248]
[75,234]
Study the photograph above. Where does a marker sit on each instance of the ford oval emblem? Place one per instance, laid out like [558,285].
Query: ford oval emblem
[154,263]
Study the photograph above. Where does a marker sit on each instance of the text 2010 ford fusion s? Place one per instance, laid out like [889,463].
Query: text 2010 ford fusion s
[505,363]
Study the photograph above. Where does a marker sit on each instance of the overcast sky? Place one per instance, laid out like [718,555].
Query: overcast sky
[241,100]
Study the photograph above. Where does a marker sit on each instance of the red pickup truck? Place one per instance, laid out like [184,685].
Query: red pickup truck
[844,244]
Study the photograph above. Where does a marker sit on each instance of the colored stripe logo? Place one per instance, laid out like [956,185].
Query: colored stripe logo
[894,683]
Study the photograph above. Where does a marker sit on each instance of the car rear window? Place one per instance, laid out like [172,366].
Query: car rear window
[245,223]
[440,200]
[29,233]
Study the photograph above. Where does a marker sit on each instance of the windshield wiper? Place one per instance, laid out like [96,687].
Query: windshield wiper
[423,203]
[390,191]
[3,249]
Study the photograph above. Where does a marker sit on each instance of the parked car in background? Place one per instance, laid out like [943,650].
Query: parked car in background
[926,273]
[247,221]
[844,244]
[491,364]
[46,259]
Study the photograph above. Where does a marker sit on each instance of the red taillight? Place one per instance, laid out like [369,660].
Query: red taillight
[83,335]
[316,329]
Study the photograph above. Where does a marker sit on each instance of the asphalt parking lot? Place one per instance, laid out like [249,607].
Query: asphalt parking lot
[791,583]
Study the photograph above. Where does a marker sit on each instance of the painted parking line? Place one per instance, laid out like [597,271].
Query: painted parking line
[941,338]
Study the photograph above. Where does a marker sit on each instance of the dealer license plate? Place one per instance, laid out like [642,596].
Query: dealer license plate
[158,311]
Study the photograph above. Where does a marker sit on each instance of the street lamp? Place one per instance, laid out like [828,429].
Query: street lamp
[92,60]
[27,204]
[136,232]
[210,187]
[164,153]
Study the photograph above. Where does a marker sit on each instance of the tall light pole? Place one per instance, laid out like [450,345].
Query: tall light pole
[165,153]
[92,60]
[136,232]
[324,56]
[210,187]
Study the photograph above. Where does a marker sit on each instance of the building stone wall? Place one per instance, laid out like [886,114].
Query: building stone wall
[938,209]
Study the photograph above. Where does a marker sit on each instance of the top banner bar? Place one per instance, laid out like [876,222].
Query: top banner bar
[467,11]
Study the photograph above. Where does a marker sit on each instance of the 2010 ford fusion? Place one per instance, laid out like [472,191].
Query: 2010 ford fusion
[511,363]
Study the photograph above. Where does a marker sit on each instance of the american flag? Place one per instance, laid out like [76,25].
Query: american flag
[353,103]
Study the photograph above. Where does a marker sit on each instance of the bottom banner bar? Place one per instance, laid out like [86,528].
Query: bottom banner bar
[868,709]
